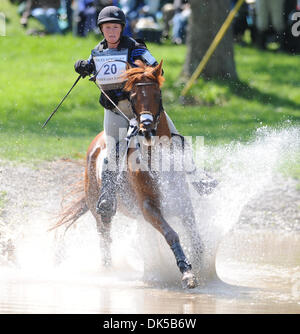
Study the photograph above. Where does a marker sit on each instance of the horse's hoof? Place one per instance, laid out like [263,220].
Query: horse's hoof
[189,280]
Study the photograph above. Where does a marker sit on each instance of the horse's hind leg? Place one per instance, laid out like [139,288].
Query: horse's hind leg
[152,214]
[92,194]
[103,230]
[105,241]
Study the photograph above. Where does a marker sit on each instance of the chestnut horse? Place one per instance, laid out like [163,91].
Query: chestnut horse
[141,184]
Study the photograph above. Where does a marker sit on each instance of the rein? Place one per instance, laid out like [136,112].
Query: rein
[133,124]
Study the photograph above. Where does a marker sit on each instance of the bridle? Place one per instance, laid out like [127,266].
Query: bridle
[146,115]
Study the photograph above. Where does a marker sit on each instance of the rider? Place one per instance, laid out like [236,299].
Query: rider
[115,45]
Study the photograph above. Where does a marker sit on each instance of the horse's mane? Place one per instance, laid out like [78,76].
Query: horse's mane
[137,74]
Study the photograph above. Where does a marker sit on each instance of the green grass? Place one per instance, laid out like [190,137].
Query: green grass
[36,72]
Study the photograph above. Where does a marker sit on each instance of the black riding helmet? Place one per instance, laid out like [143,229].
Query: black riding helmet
[111,14]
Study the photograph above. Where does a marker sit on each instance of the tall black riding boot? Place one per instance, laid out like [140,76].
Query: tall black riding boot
[107,202]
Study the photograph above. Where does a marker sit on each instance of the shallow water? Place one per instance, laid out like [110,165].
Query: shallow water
[252,280]
[249,266]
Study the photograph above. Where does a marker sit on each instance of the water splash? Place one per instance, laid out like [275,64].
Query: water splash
[244,170]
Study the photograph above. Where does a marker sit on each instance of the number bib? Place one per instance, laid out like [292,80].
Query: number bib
[109,69]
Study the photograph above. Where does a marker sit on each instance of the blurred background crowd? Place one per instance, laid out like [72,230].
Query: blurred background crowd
[158,20]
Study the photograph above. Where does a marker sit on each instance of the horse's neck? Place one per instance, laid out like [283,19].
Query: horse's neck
[163,127]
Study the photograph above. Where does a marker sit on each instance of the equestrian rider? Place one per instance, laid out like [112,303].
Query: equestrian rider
[114,46]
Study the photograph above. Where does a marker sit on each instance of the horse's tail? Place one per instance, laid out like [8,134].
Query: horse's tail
[76,207]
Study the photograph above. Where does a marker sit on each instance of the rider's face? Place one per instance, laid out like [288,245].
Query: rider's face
[111,32]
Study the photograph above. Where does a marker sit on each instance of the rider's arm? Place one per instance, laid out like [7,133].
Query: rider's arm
[142,53]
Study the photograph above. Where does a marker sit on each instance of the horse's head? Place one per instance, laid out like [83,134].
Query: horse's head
[143,84]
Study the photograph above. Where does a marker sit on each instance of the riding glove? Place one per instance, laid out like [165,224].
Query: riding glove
[84,68]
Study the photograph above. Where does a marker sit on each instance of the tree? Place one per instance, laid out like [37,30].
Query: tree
[205,21]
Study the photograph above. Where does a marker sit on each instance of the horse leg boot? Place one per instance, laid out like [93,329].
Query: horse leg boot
[188,278]
[107,202]
[185,267]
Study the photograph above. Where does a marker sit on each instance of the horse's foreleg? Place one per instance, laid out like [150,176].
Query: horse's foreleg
[152,214]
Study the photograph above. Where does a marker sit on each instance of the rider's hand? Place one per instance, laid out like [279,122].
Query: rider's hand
[84,68]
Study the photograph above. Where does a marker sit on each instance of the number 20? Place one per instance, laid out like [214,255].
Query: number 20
[112,69]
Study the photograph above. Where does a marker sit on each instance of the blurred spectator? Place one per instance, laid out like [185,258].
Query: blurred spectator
[132,9]
[100,4]
[146,27]
[182,12]
[86,17]
[267,10]
[69,12]
[176,16]
[17,2]
[151,8]
[45,11]
[168,11]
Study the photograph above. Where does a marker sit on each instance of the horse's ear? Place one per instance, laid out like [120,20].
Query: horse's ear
[158,69]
